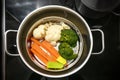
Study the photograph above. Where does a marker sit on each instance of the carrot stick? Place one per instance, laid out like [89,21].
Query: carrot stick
[46,45]
[50,48]
[35,41]
[53,51]
[43,53]
[39,56]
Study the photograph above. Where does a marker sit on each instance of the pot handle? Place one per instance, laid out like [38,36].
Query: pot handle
[102,42]
[6,49]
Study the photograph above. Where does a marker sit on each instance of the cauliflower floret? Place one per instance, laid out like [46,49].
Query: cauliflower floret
[50,31]
[65,26]
[53,34]
[39,32]
[53,43]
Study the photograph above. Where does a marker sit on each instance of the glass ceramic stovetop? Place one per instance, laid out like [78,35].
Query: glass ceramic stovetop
[105,66]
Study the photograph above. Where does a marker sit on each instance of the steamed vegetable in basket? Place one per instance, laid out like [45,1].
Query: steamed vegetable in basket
[69,36]
[66,51]
[53,44]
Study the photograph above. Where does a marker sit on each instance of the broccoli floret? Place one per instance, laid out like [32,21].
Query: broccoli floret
[68,40]
[66,51]
[69,36]
[72,57]
[63,45]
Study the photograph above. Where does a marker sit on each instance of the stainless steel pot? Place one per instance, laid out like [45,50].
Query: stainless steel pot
[24,30]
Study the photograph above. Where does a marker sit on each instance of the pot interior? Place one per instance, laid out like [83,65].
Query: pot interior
[69,17]
[78,49]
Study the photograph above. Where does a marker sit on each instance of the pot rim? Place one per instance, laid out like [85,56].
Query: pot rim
[60,7]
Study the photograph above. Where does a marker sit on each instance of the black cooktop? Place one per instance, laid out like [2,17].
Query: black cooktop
[105,66]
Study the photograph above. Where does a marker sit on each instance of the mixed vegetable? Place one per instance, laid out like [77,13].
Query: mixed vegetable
[66,51]
[46,37]
[69,36]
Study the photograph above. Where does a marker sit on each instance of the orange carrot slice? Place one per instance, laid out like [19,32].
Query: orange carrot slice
[49,48]
[35,41]
[45,44]
[43,53]
[53,51]
[39,56]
